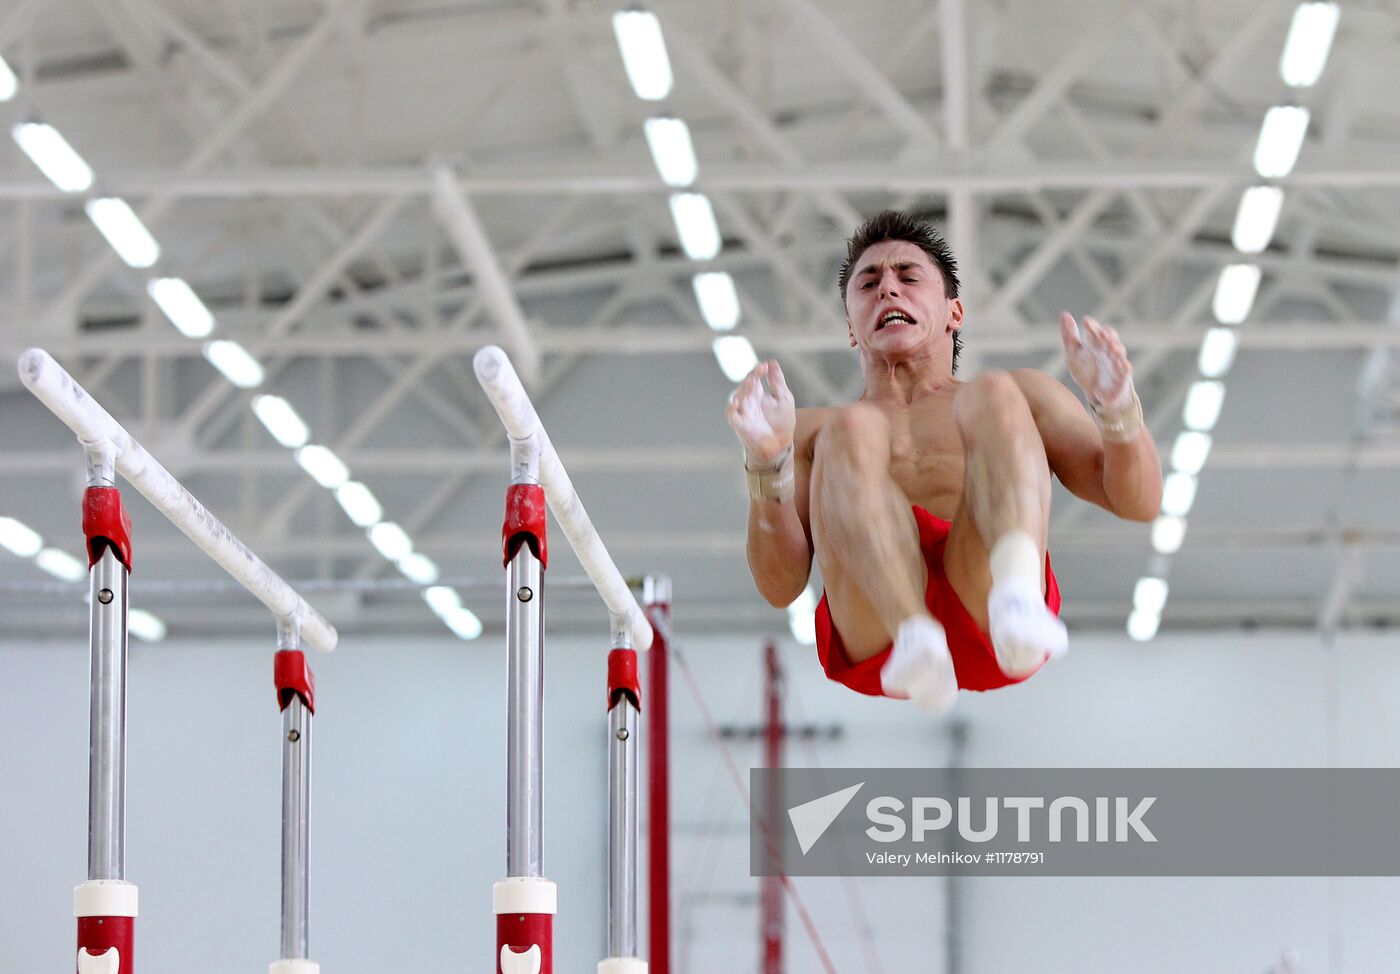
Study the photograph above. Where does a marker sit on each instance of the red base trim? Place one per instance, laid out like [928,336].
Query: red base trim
[100,934]
[518,933]
[294,678]
[105,524]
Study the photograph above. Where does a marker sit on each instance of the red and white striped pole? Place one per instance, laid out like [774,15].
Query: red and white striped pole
[524,902]
[656,601]
[771,894]
[105,905]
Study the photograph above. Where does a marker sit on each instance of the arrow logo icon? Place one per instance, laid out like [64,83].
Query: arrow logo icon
[810,820]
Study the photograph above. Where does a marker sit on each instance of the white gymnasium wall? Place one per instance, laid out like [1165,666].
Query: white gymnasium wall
[409,799]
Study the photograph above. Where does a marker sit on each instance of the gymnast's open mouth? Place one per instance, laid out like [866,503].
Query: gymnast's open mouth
[894,317]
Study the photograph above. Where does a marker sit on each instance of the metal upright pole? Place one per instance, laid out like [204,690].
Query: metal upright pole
[624,706]
[525,715]
[105,905]
[656,597]
[524,902]
[296,695]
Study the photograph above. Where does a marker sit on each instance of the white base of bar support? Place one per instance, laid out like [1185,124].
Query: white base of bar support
[105,898]
[622,965]
[294,967]
[524,894]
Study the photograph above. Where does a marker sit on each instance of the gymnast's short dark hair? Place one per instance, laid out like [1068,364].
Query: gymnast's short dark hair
[898,225]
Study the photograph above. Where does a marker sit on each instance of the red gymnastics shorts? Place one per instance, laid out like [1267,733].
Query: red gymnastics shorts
[974,660]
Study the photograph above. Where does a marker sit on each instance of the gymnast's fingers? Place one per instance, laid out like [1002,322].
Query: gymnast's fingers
[1069,330]
[777,380]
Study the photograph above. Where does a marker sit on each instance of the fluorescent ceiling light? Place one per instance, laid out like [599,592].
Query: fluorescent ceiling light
[1167,534]
[463,622]
[718,299]
[803,626]
[806,602]
[802,617]
[643,52]
[695,225]
[1309,40]
[182,306]
[9,84]
[1178,494]
[359,503]
[19,537]
[1203,405]
[672,150]
[118,222]
[1218,352]
[145,626]
[1257,218]
[281,421]
[325,467]
[442,599]
[735,356]
[1280,140]
[418,568]
[233,360]
[392,541]
[1150,595]
[1234,293]
[56,159]
[1142,626]
[1189,452]
[60,564]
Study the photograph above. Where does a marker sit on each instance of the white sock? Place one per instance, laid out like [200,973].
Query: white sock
[1025,633]
[920,665]
[1015,555]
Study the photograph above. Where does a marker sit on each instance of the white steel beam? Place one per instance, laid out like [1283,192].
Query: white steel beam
[1366,169]
[1261,456]
[1051,87]
[643,337]
[272,85]
[858,68]
[464,229]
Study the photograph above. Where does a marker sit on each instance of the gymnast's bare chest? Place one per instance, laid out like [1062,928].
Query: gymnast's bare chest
[926,455]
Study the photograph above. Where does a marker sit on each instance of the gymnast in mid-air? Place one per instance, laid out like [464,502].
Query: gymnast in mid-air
[926,502]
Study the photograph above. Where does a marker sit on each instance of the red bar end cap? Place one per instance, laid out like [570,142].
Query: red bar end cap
[622,678]
[105,523]
[294,678]
[525,507]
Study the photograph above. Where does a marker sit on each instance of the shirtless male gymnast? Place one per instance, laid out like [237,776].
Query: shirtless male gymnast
[927,501]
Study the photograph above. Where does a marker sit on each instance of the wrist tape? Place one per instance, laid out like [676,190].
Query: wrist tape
[773,480]
[1120,425]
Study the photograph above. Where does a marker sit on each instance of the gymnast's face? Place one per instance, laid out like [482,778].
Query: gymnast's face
[895,300]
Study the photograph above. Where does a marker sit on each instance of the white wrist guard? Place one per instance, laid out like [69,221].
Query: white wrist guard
[1120,425]
[773,480]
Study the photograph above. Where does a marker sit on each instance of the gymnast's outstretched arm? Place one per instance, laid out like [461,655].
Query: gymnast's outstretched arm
[779,540]
[1112,463]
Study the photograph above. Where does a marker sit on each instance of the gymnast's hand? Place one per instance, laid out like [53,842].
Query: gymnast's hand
[763,419]
[1097,361]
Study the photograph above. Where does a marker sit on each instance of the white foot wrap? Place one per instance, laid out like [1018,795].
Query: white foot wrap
[920,666]
[1025,633]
